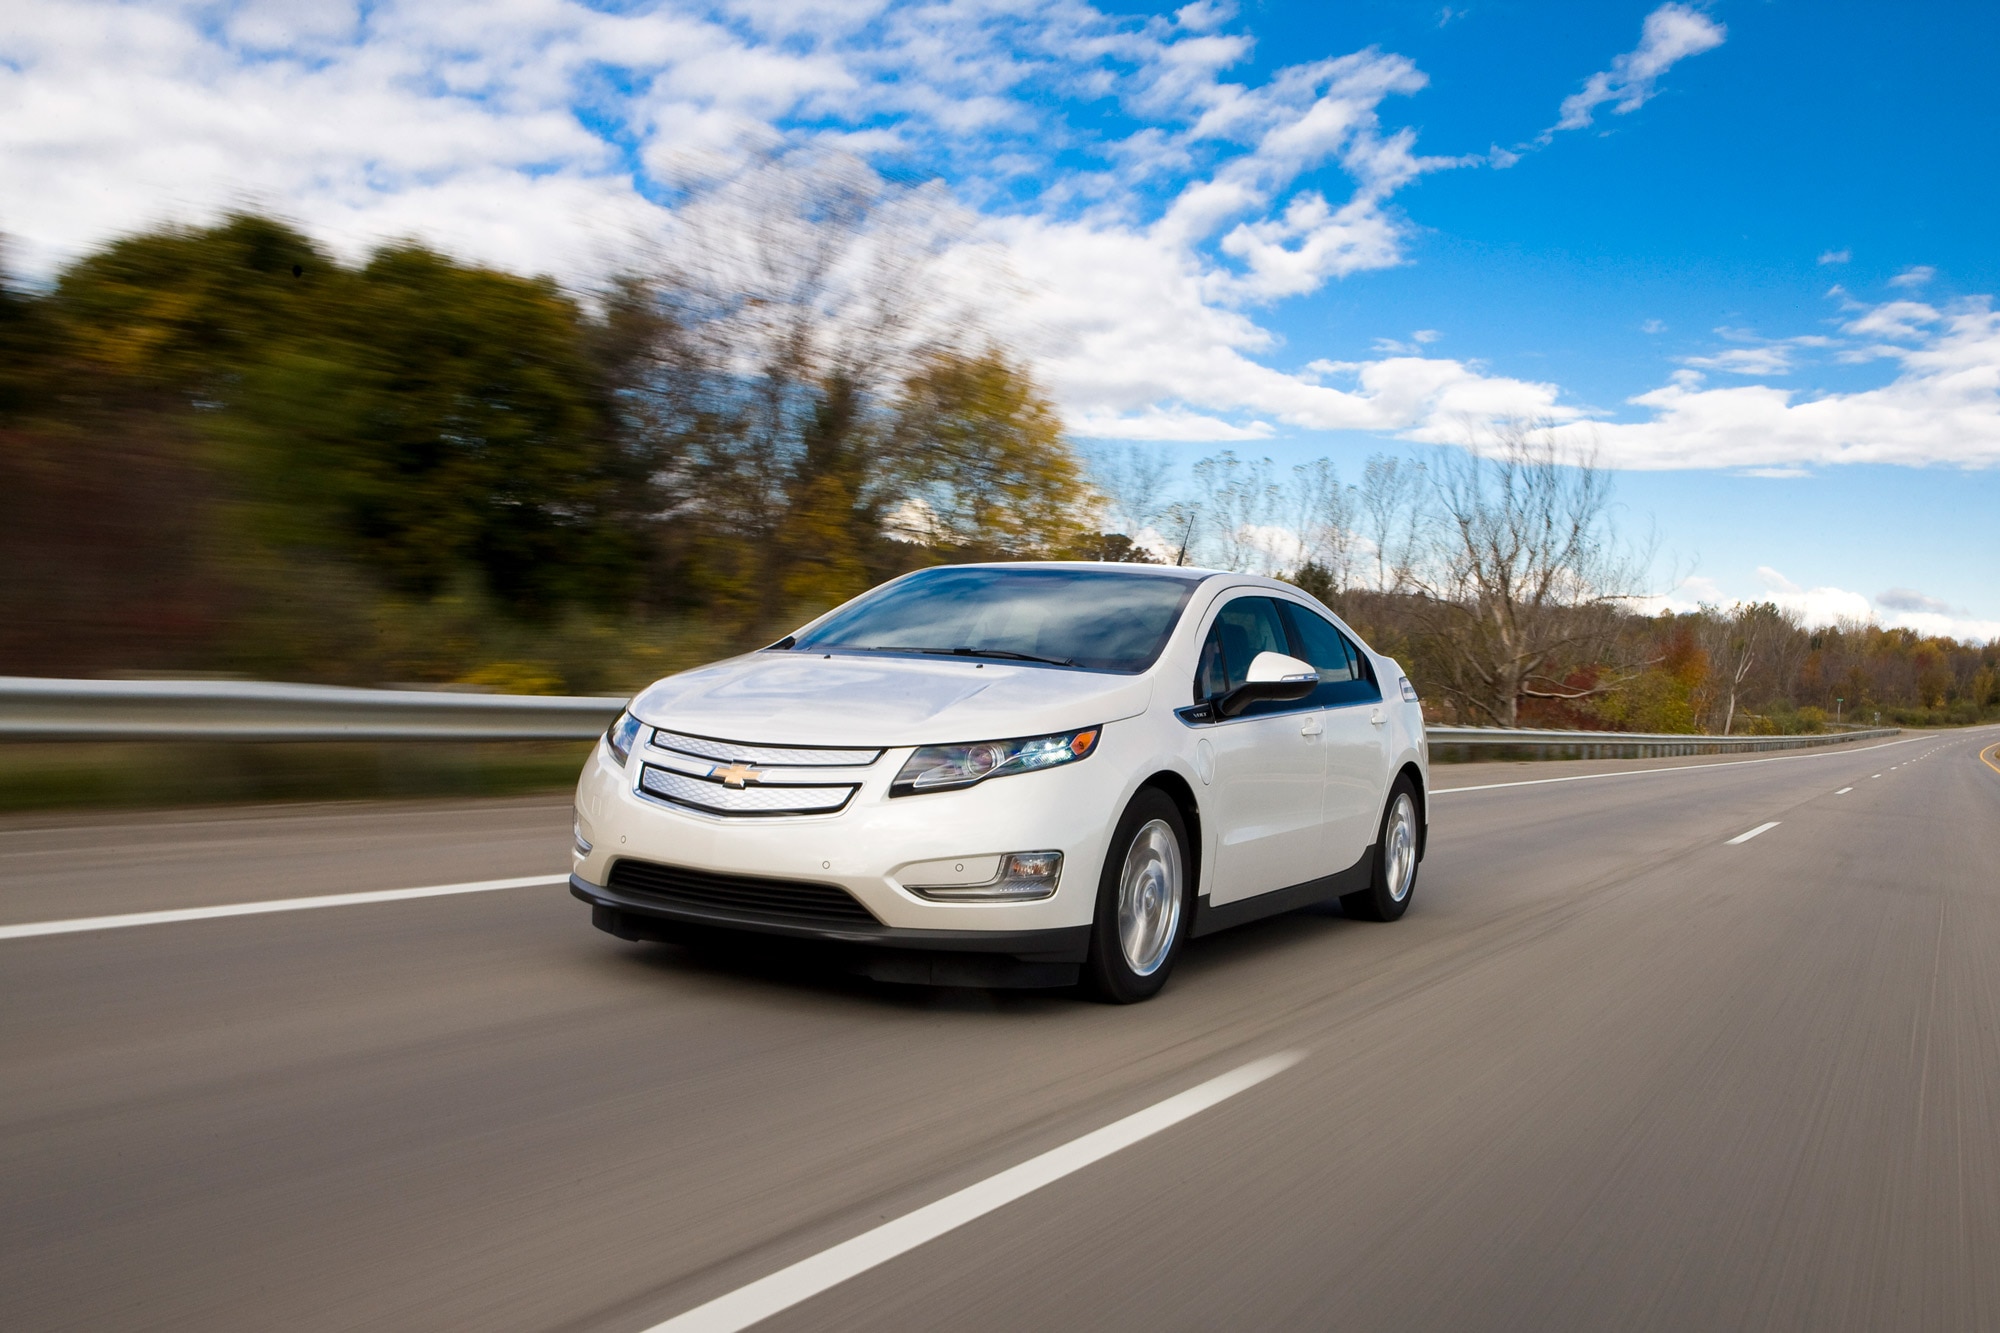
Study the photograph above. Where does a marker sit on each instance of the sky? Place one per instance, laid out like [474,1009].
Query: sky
[1743,250]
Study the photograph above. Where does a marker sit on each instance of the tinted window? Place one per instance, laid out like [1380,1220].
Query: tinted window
[1344,674]
[1098,619]
[1242,629]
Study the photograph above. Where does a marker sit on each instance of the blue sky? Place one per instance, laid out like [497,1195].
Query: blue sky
[1744,249]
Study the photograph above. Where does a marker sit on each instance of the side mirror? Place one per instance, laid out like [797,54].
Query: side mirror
[1271,676]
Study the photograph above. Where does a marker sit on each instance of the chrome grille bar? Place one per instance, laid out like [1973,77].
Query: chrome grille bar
[783,756]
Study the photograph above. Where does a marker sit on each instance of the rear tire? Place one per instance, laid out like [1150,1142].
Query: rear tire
[1392,879]
[1145,902]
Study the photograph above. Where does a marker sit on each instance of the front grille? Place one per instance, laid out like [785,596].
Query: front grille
[717,798]
[738,895]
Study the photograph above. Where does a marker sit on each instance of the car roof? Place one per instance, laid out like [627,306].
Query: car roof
[1183,572]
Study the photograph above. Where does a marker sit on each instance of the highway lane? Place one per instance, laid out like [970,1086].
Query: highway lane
[1610,1071]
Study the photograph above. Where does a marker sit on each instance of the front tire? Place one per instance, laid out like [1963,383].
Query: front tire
[1145,900]
[1393,878]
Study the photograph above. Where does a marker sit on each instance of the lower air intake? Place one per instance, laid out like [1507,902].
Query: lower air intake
[739,895]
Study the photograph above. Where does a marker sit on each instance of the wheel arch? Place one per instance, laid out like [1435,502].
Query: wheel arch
[1176,789]
[1416,777]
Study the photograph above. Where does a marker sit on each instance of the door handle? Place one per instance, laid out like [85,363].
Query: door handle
[1375,716]
[1312,726]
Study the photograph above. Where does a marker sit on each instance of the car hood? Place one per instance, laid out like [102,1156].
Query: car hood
[782,698]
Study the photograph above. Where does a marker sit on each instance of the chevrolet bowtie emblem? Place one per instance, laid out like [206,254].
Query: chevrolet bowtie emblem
[735,775]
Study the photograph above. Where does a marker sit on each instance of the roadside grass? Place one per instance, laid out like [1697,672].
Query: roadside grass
[45,776]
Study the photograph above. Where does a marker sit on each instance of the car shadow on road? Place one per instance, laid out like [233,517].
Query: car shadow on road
[1245,946]
[776,968]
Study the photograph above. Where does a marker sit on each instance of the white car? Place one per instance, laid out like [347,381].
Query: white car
[1015,774]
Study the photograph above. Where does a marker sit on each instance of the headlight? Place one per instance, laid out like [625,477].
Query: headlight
[621,735]
[949,767]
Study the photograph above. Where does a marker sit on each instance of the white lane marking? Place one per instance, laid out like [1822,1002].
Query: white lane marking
[29,929]
[1843,791]
[1745,837]
[808,1277]
[1679,768]
[1874,775]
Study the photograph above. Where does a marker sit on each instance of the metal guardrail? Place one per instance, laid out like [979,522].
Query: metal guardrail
[34,708]
[1628,745]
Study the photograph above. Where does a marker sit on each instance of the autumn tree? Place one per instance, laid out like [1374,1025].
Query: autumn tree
[983,455]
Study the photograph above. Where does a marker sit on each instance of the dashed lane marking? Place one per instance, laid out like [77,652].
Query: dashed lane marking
[829,1268]
[1745,837]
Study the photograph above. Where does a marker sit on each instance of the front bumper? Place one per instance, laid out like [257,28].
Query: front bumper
[1047,957]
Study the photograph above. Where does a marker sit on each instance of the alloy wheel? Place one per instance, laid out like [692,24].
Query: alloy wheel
[1399,859]
[1149,898]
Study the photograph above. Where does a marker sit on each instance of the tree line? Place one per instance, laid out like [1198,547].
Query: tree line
[227,449]
[223,448]
[1497,575]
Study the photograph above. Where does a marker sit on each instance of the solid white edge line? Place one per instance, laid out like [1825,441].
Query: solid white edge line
[1678,768]
[29,929]
[788,1286]
[1745,837]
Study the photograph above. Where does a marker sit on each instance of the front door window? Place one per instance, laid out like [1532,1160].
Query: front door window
[1270,766]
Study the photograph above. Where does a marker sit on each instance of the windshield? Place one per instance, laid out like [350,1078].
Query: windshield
[1101,620]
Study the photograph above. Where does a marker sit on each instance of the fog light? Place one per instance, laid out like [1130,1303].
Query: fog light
[1022,876]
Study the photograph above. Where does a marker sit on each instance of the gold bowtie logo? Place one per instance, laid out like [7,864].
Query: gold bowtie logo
[736,775]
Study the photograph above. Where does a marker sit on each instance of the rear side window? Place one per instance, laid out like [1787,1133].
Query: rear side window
[1242,629]
[1344,674]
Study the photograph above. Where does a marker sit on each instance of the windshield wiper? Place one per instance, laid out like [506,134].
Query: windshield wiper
[1010,656]
[1003,654]
[1006,655]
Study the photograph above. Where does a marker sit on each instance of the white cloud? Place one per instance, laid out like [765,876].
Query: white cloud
[1963,628]
[1914,277]
[1942,405]
[1817,607]
[1835,256]
[1204,15]
[1670,34]
[1772,360]
[1172,423]
[1653,326]
[1898,608]
[1905,321]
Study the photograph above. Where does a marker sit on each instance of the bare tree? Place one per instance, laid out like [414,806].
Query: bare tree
[1391,506]
[1524,576]
[1742,640]
[1238,498]
[1133,484]
[1321,512]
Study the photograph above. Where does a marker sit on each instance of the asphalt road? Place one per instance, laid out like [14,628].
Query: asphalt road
[1612,1071]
